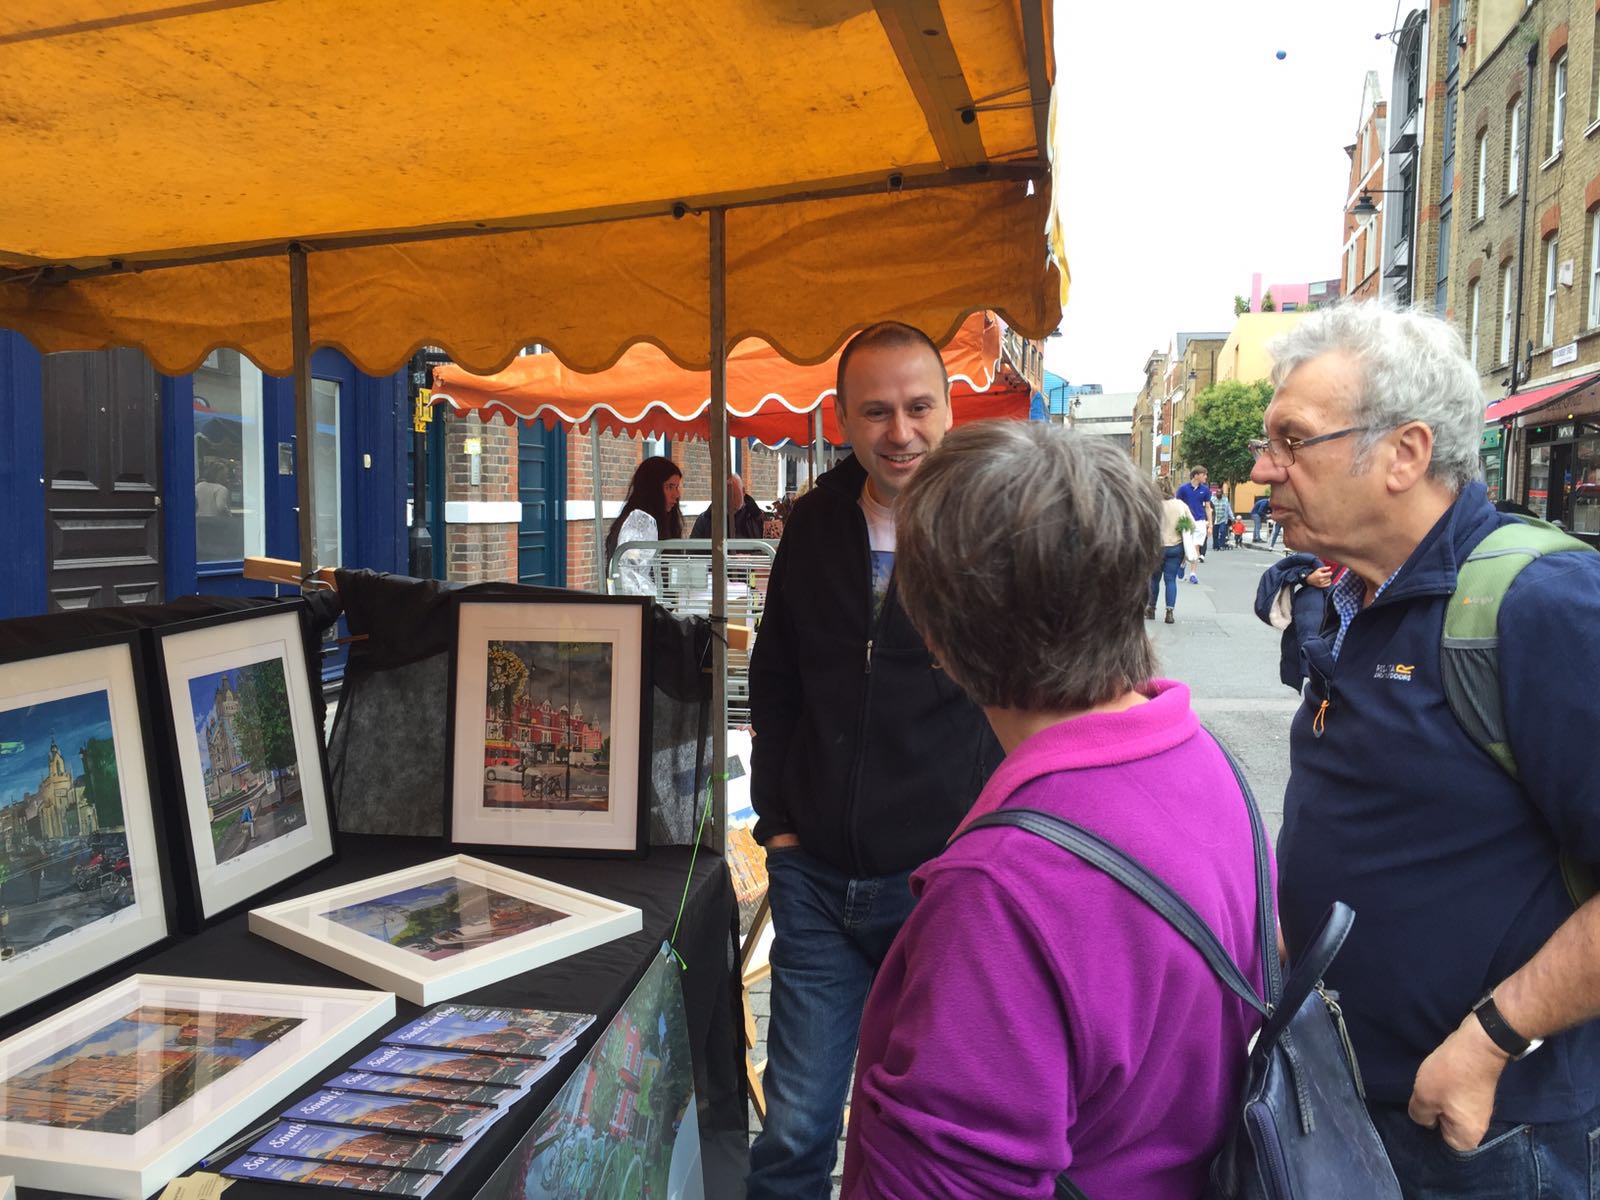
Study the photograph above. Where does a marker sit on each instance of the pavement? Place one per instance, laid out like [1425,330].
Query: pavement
[1229,660]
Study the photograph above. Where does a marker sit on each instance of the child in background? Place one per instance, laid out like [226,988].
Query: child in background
[1238,530]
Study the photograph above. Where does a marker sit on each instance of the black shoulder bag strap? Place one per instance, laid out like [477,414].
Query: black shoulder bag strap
[1177,911]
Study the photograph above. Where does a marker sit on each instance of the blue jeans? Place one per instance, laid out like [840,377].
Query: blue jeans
[1559,1161]
[1276,530]
[830,934]
[1171,568]
[1255,536]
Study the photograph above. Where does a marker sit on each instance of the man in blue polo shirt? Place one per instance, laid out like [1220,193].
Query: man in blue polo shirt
[1197,495]
[1467,950]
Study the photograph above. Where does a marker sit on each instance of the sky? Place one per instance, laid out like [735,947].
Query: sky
[71,721]
[1192,156]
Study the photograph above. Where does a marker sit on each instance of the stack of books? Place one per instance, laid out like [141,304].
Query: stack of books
[399,1118]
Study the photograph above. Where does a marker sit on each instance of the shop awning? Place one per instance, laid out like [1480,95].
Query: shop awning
[1537,397]
[769,398]
[482,176]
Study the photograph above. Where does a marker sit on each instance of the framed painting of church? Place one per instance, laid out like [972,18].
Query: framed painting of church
[83,877]
[549,725]
[245,756]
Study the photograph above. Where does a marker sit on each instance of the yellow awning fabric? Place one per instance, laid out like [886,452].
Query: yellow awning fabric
[168,155]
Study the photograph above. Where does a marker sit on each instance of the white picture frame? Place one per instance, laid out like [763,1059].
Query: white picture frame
[449,950]
[575,719]
[132,1163]
[99,894]
[291,829]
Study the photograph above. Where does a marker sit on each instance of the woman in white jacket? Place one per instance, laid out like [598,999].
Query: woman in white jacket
[650,514]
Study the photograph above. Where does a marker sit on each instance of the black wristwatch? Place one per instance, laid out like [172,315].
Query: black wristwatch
[1500,1031]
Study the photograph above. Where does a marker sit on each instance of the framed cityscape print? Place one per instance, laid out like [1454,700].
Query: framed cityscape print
[116,1095]
[549,725]
[83,876]
[246,755]
[433,931]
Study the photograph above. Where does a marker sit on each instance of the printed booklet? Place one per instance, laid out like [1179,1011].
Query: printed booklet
[518,1032]
[341,1175]
[455,1064]
[361,1147]
[431,1089]
[402,1114]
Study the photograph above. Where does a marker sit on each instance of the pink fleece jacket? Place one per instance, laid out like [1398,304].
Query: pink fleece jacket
[1033,1016]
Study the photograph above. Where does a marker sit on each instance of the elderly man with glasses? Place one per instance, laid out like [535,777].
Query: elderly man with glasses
[1468,950]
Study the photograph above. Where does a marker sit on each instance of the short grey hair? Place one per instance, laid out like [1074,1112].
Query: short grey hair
[1413,367]
[1023,556]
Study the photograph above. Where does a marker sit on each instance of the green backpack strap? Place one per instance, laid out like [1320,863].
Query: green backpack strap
[1470,662]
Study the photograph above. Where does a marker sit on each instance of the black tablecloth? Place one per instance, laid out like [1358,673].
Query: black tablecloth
[596,981]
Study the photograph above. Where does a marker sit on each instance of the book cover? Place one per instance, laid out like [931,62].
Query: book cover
[457,1090]
[331,1174]
[518,1032]
[402,1114]
[363,1147]
[454,1064]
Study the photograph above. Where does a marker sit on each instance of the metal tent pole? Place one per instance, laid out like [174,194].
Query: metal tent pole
[719,526]
[304,419]
[817,444]
[601,565]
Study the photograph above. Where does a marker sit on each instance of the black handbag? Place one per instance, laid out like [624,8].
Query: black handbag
[1303,1132]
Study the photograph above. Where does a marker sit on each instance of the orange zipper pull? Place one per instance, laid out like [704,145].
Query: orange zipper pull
[1320,721]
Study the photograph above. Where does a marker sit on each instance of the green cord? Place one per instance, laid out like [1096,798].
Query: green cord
[683,903]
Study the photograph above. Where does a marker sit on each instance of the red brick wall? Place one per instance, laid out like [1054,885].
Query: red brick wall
[480,553]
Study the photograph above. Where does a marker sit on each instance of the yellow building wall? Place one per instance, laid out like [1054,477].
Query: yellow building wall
[1244,355]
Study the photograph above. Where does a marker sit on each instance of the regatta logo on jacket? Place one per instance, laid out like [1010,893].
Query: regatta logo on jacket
[1394,672]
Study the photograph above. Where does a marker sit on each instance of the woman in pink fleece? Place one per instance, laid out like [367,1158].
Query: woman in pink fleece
[1033,1017]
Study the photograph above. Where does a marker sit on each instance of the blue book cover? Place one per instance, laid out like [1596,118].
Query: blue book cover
[454,1064]
[518,1032]
[432,1089]
[401,1114]
[331,1174]
[363,1147]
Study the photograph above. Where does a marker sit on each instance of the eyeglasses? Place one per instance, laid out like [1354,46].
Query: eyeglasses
[1282,450]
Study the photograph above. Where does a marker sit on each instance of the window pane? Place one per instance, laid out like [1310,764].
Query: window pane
[325,412]
[228,466]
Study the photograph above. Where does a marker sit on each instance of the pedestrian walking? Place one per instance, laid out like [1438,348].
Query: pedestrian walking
[865,756]
[1197,495]
[1221,516]
[1173,512]
[1470,982]
[1034,1016]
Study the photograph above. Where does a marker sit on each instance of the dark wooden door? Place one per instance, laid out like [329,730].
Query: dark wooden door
[102,463]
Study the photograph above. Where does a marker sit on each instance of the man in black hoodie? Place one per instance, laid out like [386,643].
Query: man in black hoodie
[865,757]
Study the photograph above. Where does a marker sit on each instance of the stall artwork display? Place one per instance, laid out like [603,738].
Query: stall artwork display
[436,930]
[117,1094]
[624,1123]
[82,880]
[548,724]
[248,754]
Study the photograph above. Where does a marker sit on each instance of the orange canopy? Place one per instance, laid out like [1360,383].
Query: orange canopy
[769,397]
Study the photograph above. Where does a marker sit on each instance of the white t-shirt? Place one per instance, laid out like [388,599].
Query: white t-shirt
[880,539]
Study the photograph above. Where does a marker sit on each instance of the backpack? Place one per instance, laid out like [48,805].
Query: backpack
[1470,649]
[1302,1131]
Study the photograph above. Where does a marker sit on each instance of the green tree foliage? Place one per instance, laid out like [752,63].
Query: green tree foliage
[1240,306]
[507,674]
[100,782]
[1268,304]
[1226,416]
[266,731]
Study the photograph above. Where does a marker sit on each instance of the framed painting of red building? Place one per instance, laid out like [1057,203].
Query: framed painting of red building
[549,725]
[245,754]
[83,872]
[118,1094]
[445,927]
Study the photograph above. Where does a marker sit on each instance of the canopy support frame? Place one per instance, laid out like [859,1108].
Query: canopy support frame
[601,566]
[305,426]
[718,416]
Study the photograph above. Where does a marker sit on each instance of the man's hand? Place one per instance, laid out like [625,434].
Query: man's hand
[781,840]
[1455,1086]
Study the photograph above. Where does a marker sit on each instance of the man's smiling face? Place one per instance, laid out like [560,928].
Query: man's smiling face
[897,411]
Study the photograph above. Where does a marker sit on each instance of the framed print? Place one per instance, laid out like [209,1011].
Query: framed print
[549,731]
[433,931]
[83,879]
[116,1095]
[247,755]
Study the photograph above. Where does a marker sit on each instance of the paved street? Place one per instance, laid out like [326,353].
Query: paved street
[1229,659]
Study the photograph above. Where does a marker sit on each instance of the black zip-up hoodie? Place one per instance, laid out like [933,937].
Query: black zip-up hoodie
[863,747]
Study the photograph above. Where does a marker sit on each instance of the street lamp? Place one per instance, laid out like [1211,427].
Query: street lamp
[1364,205]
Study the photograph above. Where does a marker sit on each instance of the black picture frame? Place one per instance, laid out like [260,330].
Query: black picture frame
[124,877]
[569,819]
[212,887]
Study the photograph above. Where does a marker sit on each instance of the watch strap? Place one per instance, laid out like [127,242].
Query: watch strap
[1500,1031]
